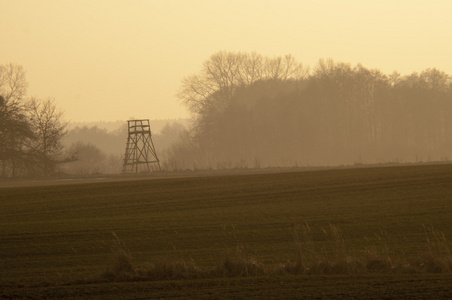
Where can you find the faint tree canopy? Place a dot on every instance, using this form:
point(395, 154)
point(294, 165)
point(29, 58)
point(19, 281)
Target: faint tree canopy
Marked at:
point(225, 72)
point(254, 111)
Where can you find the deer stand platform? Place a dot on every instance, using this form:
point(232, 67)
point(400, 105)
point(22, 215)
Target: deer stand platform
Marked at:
point(140, 150)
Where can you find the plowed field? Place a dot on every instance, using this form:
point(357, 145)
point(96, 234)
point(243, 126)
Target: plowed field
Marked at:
point(57, 239)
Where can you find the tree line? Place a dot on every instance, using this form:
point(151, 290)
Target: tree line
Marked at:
point(31, 129)
point(248, 110)
point(254, 111)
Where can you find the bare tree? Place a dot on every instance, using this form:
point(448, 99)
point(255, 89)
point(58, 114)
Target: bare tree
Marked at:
point(13, 85)
point(224, 72)
point(49, 129)
point(283, 68)
point(14, 126)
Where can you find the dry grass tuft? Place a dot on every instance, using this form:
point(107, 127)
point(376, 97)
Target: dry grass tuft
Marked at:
point(438, 258)
point(378, 260)
point(237, 264)
point(312, 259)
point(327, 255)
point(428, 263)
point(121, 268)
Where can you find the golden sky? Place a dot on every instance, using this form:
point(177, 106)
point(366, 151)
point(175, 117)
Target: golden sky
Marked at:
point(108, 60)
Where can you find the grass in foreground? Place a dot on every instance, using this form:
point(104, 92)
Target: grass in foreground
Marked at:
point(309, 260)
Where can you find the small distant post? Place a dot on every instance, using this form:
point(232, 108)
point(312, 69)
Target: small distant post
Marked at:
point(140, 150)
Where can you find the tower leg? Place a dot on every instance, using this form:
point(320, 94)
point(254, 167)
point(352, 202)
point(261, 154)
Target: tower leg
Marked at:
point(140, 149)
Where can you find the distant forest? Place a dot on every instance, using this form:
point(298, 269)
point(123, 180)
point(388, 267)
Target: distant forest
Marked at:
point(252, 111)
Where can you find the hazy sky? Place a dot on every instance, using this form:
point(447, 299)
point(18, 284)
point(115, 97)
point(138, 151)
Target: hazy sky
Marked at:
point(112, 60)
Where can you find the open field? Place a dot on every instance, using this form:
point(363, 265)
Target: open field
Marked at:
point(56, 240)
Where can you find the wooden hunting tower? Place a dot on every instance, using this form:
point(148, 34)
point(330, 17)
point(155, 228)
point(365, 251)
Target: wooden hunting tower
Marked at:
point(140, 149)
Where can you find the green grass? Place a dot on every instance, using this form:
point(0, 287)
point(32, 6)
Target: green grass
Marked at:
point(59, 236)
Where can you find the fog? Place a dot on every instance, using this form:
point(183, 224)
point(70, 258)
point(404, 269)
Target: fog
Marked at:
point(336, 114)
point(248, 105)
point(99, 147)
point(248, 111)
point(251, 111)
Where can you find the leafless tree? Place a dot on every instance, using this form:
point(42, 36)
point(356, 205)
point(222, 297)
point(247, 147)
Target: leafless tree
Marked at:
point(224, 72)
point(13, 85)
point(49, 129)
point(14, 125)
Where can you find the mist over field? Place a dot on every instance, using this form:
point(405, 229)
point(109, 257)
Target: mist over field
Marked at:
point(280, 115)
point(277, 149)
point(240, 84)
point(252, 111)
